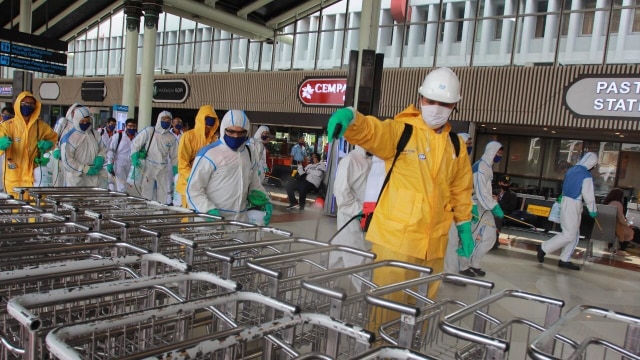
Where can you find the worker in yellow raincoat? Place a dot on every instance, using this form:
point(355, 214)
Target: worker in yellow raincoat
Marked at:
point(203, 133)
point(429, 187)
point(24, 140)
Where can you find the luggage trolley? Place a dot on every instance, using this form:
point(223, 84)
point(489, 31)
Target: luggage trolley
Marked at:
point(381, 352)
point(502, 330)
point(596, 327)
point(128, 225)
point(19, 211)
point(63, 275)
point(54, 203)
point(39, 193)
point(153, 210)
point(38, 313)
point(43, 227)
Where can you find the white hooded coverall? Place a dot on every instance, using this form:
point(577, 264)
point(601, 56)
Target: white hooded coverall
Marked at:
point(484, 231)
point(577, 186)
point(79, 149)
point(120, 156)
point(349, 189)
point(62, 127)
point(257, 147)
point(162, 154)
point(221, 178)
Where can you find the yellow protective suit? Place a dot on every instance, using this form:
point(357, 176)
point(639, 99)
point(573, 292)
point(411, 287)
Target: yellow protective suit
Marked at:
point(23, 149)
point(190, 142)
point(429, 187)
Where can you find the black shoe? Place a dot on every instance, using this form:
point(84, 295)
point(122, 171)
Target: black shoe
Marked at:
point(301, 208)
point(467, 272)
point(496, 245)
point(478, 271)
point(293, 206)
point(568, 265)
point(541, 253)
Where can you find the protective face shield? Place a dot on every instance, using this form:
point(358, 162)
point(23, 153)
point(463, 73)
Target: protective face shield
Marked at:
point(441, 85)
point(85, 126)
point(27, 109)
point(209, 121)
point(234, 142)
point(435, 116)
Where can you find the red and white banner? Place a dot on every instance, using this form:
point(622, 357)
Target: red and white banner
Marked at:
point(322, 91)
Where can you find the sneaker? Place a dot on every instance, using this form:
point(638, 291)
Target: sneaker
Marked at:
point(467, 272)
point(301, 208)
point(541, 253)
point(568, 265)
point(621, 253)
point(478, 271)
point(293, 206)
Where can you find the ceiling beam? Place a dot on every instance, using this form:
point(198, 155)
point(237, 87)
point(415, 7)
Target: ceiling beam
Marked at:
point(61, 16)
point(16, 20)
point(252, 7)
point(116, 5)
point(209, 22)
point(299, 12)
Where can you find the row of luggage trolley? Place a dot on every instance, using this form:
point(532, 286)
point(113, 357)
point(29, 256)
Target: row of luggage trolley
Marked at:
point(92, 274)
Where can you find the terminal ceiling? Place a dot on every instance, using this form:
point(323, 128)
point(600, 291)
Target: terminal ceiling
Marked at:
point(254, 19)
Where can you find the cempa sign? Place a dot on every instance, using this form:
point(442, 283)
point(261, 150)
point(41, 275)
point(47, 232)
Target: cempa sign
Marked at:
point(322, 91)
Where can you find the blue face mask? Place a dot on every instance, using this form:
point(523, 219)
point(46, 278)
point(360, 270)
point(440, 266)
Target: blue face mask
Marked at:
point(234, 142)
point(497, 159)
point(165, 124)
point(469, 149)
point(265, 138)
point(111, 128)
point(209, 121)
point(6, 117)
point(85, 126)
point(132, 132)
point(27, 110)
point(178, 127)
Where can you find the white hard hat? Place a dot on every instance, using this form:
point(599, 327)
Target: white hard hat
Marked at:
point(441, 85)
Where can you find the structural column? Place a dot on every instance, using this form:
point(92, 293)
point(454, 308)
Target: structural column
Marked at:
point(152, 10)
point(369, 23)
point(551, 29)
point(599, 30)
point(626, 18)
point(133, 12)
point(575, 26)
point(25, 16)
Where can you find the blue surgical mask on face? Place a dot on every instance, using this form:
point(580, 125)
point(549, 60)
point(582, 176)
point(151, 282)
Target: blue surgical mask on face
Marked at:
point(234, 142)
point(178, 127)
point(6, 117)
point(111, 127)
point(209, 121)
point(497, 159)
point(469, 149)
point(265, 138)
point(165, 124)
point(132, 132)
point(27, 110)
point(85, 126)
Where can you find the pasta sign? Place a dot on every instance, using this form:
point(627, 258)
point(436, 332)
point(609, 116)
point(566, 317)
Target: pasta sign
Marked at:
point(324, 91)
point(604, 97)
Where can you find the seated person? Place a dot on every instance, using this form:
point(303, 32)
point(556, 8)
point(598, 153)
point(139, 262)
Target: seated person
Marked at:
point(624, 231)
point(310, 180)
point(508, 201)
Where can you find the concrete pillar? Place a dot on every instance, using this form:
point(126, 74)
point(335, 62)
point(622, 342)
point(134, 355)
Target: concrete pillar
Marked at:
point(528, 28)
point(626, 17)
point(369, 21)
point(575, 26)
point(25, 16)
point(432, 31)
point(132, 12)
point(488, 28)
point(506, 39)
point(450, 31)
point(467, 31)
point(415, 37)
point(152, 10)
point(551, 29)
point(599, 28)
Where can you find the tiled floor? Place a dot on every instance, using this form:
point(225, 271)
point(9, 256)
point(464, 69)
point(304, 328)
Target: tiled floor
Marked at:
point(605, 281)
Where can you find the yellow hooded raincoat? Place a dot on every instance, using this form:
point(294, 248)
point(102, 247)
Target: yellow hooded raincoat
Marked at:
point(190, 142)
point(23, 149)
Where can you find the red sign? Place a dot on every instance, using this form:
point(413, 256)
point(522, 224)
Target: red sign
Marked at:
point(322, 91)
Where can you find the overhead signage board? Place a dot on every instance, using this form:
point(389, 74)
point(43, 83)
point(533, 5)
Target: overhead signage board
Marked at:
point(32, 53)
point(322, 91)
point(33, 40)
point(170, 91)
point(33, 65)
point(93, 91)
point(6, 90)
point(606, 96)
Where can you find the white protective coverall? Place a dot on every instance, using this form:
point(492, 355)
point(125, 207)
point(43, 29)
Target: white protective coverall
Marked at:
point(79, 149)
point(349, 188)
point(221, 178)
point(119, 154)
point(577, 186)
point(257, 148)
point(451, 263)
point(62, 127)
point(162, 155)
point(171, 178)
point(484, 231)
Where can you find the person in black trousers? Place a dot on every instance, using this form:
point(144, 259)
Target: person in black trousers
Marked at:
point(508, 201)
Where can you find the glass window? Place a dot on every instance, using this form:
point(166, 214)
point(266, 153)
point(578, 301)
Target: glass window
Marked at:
point(629, 159)
point(525, 156)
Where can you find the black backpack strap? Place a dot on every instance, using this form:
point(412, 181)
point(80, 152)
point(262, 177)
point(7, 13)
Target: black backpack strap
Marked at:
point(402, 143)
point(456, 142)
point(249, 151)
point(119, 139)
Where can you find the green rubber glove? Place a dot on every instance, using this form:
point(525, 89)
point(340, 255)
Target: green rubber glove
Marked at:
point(475, 216)
point(268, 209)
point(265, 170)
point(343, 117)
point(593, 214)
point(110, 169)
point(142, 154)
point(175, 169)
point(360, 216)
point(135, 159)
point(98, 161)
point(466, 240)
point(93, 171)
point(258, 198)
point(5, 142)
point(56, 154)
point(559, 199)
point(44, 145)
point(214, 212)
point(497, 211)
point(41, 160)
